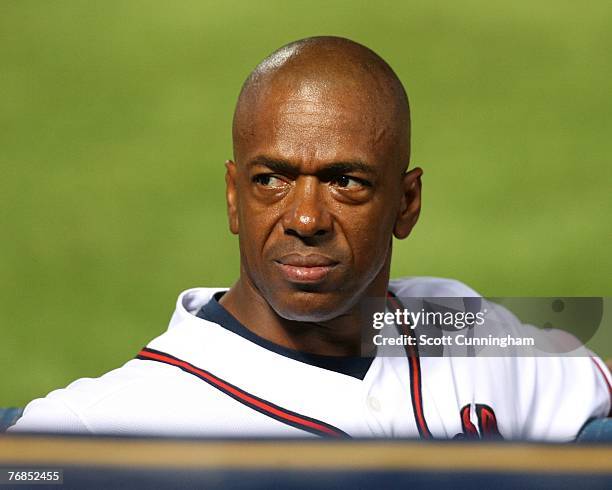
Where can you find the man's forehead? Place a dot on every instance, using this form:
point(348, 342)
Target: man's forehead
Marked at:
point(316, 102)
point(312, 122)
point(323, 98)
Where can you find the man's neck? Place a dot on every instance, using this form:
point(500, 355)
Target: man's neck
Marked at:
point(340, 336)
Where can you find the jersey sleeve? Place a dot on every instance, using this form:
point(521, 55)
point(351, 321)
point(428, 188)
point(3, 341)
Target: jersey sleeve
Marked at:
point(49, 415)
point(566, 392)
point(537, 395)
point(75, 408)
point(113, 403)
point(554, 396)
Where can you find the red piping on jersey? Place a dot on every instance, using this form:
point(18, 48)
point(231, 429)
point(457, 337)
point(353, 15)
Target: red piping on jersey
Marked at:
point(415, 375)
point(267, 408)
point(607, 382)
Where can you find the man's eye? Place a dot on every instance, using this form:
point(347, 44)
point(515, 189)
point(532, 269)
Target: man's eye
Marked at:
point(346, 182)
point(268, 180)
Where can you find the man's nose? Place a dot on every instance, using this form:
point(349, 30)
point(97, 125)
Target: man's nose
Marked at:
point(306, 215)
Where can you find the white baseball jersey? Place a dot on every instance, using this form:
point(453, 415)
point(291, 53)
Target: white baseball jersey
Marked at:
point(208, 375)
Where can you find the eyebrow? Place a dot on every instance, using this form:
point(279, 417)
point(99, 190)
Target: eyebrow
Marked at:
point(334, 168)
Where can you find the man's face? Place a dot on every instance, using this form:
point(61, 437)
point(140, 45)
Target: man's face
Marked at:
point(314, 196)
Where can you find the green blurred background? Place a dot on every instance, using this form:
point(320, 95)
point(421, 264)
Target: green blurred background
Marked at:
point(115, 123)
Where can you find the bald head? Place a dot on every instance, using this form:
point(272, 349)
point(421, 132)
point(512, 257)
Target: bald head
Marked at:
point(347, 83)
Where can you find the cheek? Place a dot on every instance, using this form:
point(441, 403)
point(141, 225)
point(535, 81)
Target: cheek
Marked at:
point(370, 248)
point(256, 223)
point(369, 236)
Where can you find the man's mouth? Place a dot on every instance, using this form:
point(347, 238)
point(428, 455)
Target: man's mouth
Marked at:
point(305, 268)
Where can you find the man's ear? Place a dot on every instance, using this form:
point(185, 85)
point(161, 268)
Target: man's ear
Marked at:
point(410, 206)
point(231, 196)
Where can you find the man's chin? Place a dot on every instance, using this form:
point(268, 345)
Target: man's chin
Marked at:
point(309, 305)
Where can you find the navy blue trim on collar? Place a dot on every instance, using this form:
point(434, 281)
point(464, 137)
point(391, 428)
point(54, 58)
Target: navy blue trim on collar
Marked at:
point(213, 311)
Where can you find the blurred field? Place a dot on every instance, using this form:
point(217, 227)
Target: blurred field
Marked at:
point(115, 123)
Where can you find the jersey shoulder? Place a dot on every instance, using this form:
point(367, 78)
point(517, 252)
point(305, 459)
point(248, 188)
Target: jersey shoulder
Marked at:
point(68, 410)
point(86, 404)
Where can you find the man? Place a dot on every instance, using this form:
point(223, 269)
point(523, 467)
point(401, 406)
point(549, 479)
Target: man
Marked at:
point(318, 187)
